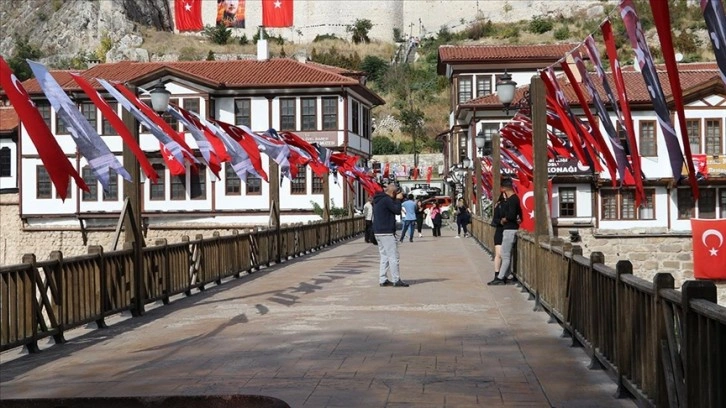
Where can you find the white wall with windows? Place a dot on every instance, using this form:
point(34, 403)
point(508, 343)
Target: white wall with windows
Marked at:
point(617, 211)
point(8, 164)
point(711, 204)
point(572, 203)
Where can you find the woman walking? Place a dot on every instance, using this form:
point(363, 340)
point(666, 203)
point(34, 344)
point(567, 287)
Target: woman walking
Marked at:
point(462, 218)
point(436, 219)
point(498, 232)
point(420, 215)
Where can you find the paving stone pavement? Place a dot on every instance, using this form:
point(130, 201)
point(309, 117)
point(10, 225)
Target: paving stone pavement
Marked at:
point(318, 331)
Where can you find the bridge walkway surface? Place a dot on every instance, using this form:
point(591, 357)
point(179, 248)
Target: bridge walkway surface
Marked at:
point(318, 331)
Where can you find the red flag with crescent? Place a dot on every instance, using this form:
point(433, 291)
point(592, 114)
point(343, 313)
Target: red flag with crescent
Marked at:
point(429, 173)
point(709, 248)
point(525, 191)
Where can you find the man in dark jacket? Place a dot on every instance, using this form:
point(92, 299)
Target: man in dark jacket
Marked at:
point(386, 206)
point(511, 216)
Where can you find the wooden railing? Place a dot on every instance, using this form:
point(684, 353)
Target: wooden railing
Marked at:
point(665, 347)
point(39, 299)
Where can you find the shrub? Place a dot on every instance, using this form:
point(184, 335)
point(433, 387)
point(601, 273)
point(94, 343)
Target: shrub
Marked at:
point(480, 29)
point(244, 40)
point(396, 35)
point(383, 145)
point(23, 50)
point(562, 33)
point(323, 37)
point(105, 45)
point(376, 67)
point(218, 34)
point(686, 43)
point(540, 25)
point(509, 31)
point(210, 56)
point(359, 31)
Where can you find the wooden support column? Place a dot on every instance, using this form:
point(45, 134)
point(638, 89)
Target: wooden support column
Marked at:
point(539, 142)
point(496, 165)
point(274, 178)
point(478, 186)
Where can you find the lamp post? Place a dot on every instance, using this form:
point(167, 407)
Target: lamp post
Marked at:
point(132, 231)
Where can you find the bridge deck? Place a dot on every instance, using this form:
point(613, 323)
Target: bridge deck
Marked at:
point(318, 331)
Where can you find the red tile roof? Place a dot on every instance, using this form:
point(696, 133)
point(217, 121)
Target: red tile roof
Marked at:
point(9, 120)
point(634, 83)
point(484, 53)
point(236, 74)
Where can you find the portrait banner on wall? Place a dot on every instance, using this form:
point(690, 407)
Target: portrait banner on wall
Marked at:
point(231, 13)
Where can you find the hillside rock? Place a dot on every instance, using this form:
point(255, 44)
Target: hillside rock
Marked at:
point(65, 28)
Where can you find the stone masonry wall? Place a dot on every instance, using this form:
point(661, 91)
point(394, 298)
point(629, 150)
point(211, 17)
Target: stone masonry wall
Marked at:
point(648, 254)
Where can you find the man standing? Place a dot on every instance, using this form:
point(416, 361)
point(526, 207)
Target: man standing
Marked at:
point(368, 215)
point(386, 206)
point(409, 218)
point(511, 215)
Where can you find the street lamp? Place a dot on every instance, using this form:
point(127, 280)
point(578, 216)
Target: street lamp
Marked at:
point(159, 97)
point(483, 142)
point(505, 90)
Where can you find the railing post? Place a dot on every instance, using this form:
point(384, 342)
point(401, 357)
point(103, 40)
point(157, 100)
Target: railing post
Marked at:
point(660, 281)
point(166, 272)
point(594, 302)
point(98, 250)
point(191, 274)
point(32, 346)
point(58, 257)
point(692, 366)
point(623, 349)
point(137, 307)
point(199, 263)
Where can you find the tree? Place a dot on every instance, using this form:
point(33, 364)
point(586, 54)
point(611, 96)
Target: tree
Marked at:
point(218, 34)
point(383, 145)
point(376, 67)
point(360, 30)
point(23, 50)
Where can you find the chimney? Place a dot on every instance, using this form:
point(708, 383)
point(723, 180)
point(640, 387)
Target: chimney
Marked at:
point(263, 52)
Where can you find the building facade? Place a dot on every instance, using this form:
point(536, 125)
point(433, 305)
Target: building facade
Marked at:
point(322, 104)
point(584, 204)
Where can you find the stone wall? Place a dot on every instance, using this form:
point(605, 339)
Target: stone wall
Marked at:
point(16, 241)
point(650, 253)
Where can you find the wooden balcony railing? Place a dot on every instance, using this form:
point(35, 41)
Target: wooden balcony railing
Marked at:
point(665, 347)
point(39, 299)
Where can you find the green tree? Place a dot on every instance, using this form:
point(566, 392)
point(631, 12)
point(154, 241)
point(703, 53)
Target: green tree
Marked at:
point(360, 30)
point(376, 67)
point(23, 50)
point(218, 34)
point(539, 25)
point(383, 145)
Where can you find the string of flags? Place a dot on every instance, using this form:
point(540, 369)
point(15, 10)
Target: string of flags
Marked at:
point(218, 142)
point(584, 141)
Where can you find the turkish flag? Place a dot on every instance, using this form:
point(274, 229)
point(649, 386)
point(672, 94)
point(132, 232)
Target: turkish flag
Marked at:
point(175, 168)
point(429, 172)
point(277, 13)
point(188, 15)
point(525, 191)
point(709, 251)
point(59, 168)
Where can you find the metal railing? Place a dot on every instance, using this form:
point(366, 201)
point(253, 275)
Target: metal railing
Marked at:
point(665, 347)
point(39, 299)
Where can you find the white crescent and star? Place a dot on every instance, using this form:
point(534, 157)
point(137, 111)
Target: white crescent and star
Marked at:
point(526, 196)
point(716, 233)
point(187, 6)
point(278, 4)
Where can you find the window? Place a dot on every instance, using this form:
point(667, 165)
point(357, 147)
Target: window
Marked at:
point(317, 187)
point(464, 89)
point(483, 86)
point(43, 186)
point(620, 205)
point(106, 128)
point(355, 120)
point(60, 126)
point(490, 129)
point(693, 127)
point(647, 139)
point(88, 109)
point(177, 187)
point(685, 204)
point(330, 113)
point(609, 200)
point(112, 194)
point(232, 183)
point(90, 178)
point(168, 118)
point(243, 112)
point(366, 123)
point(623, 136)
point(568, 200)
point(254, 185)
point(707, 203)
point(713, 136)
point(191, 105)
point(309, 114)
point(722, 203)
point(287, 114)
point(44, 109)
point(5, 162)
point(299, 183)
point(158, 191)
point(462, 147)
point(198, 183)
